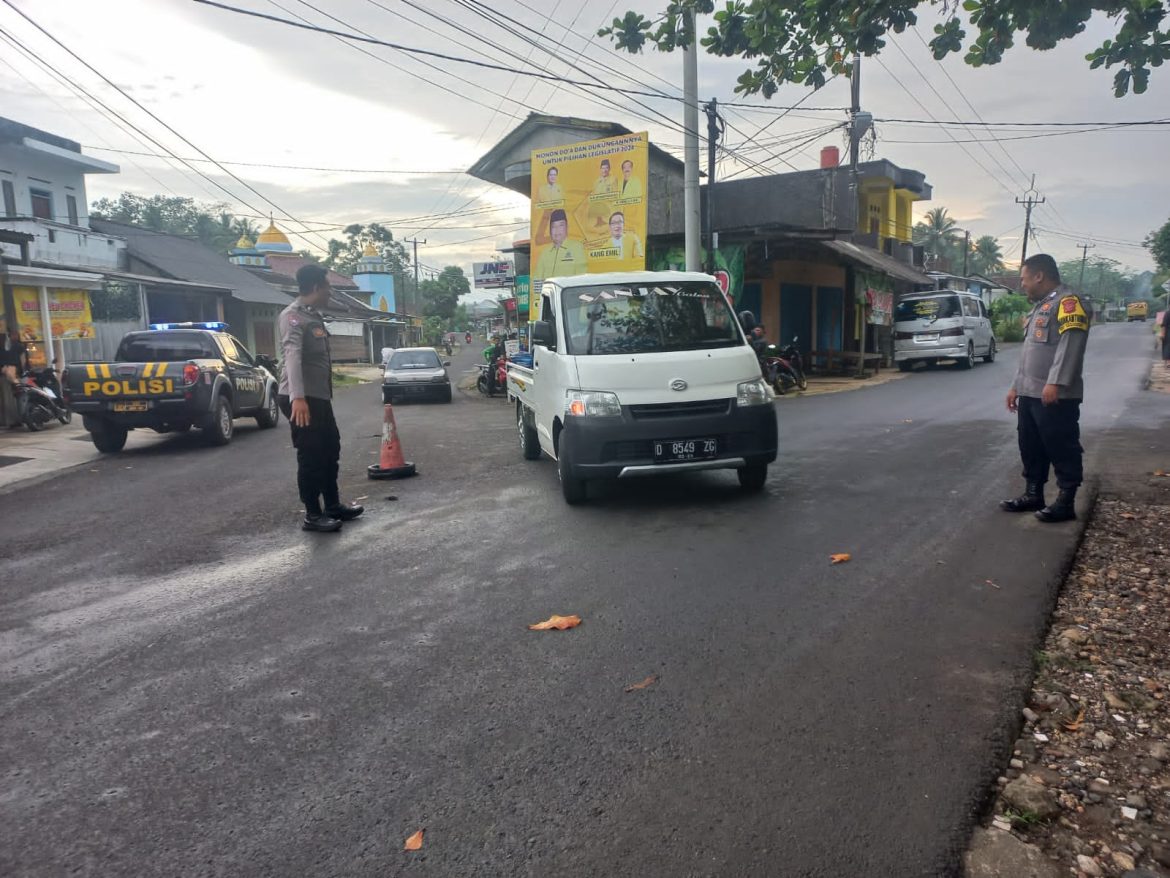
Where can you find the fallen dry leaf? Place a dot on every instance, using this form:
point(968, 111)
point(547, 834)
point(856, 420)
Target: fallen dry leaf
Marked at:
point(840, 558)
point(1162, 473)
point(560, 623)
point(1075, 724)
point(1128, 515)
point(362, 497)
point(649, 681)
point(414, 843)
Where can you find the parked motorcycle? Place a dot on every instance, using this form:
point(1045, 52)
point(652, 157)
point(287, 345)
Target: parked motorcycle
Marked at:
point(482, 384)
point(38, 400)
point(783, 368)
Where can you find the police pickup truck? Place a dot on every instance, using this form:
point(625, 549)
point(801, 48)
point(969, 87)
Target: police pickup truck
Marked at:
point(171, 378)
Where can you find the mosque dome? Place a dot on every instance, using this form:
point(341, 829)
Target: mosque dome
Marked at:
point(370, 250)
point(245, 243)
point(273, 238)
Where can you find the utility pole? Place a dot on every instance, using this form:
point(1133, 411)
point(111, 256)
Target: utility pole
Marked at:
point(415, 242)
point(1029, 201)
point(855, 139)
point(966, 250)
point(691, 222)
point(1085, 248)
point(714, 131)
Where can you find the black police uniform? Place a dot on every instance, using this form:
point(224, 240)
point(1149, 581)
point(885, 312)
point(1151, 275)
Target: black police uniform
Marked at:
point(307, 373)
point(1057, 332)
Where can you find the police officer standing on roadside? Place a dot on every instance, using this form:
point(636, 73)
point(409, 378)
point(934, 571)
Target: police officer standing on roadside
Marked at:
point(1046, 395)
point(306, 393)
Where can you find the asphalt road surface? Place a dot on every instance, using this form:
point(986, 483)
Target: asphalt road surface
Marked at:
point(190, 685)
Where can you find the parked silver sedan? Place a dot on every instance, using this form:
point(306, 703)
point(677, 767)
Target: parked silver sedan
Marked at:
point(416, 373)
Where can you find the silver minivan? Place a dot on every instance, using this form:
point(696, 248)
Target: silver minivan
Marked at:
point(942, 325)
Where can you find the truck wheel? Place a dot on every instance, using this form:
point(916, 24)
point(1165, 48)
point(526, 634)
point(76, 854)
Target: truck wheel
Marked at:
point(109, 440)
point(572, 489)
point(529, 441)
point(218, 427)
point(905, 365)
point(269, 417)
point(752, 477)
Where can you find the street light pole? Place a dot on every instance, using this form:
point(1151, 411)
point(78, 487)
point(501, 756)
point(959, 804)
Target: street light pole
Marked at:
point(691, 221)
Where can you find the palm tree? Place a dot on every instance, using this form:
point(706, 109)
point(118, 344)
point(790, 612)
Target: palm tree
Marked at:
point(244, 227)
point(937, 234)
point(986, 256)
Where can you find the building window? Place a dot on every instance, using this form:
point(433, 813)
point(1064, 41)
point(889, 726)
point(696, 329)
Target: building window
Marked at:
point(71, 204)
point(9, 198)
point(42, 203)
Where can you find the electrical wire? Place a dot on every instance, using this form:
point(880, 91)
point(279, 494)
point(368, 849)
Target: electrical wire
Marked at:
point(159, 121)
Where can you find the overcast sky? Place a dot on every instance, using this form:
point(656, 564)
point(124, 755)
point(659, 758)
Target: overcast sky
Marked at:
point(389, 129)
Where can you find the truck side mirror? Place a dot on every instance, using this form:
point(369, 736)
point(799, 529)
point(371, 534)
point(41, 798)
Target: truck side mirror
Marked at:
point(544, 334)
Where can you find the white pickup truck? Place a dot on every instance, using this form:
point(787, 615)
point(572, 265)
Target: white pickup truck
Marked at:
point(638, 374)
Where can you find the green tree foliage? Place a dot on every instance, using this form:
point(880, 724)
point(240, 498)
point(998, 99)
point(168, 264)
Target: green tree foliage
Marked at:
point(344, 255)
point(1106, 280)
point(986, 256)
point(1158, 243)
point(936, 233)
point(806, 42)
point(440, 297)
point(1007, 315)
point(433, 330)
point(461, 319)
point(210, 224)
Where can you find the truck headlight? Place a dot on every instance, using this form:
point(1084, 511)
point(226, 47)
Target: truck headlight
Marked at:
point(389, 379)
point(592, 404)
point(754, 392)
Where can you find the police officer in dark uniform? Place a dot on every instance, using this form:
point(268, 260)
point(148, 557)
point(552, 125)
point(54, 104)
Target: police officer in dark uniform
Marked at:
point(1046, 395)
point(306, 393)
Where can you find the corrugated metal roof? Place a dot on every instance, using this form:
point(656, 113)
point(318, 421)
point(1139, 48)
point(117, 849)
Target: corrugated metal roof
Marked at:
point(878, 261)
point(184, 259)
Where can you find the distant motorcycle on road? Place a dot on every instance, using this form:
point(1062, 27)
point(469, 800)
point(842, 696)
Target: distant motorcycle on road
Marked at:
point(484, 386)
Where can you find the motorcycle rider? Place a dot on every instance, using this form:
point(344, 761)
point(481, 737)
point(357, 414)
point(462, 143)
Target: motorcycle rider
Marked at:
point(495, 354)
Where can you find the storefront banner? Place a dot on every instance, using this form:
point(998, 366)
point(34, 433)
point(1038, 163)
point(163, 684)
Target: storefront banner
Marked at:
point(729, 259)
point(525, 293)
point(493, 275)
point(69, 314)
point(880, 307)
point(589, 207)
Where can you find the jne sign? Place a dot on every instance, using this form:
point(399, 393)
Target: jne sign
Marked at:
point(493, 275)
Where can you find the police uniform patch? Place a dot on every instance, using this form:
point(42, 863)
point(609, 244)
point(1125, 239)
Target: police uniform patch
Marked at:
point(1046, 307)
point(1072, 315)
point(1040, 334)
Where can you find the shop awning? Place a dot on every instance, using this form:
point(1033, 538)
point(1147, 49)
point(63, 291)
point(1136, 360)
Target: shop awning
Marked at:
point(878, 261)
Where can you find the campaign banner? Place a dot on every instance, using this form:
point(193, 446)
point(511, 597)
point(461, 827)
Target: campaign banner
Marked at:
point(589, 207)
point(69, 314)
point(729, 267)
point(493, 275)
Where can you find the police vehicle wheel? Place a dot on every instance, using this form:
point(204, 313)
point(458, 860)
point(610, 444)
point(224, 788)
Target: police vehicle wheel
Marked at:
point(529, 441)
point(990, 358)
point(218, 428)
point(270, 416)
point(752, 478)
point(109, 441)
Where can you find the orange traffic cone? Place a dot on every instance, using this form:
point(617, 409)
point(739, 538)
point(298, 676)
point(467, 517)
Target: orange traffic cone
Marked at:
point(391, 464)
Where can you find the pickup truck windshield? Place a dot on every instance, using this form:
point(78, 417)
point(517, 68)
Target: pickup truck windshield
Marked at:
point(690, 315)
point(152, 347)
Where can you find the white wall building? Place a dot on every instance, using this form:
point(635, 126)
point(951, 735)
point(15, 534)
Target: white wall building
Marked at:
point(49, 256)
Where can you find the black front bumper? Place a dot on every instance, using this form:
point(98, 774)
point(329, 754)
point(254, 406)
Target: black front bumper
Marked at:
point(611, 448)
point(418, 390)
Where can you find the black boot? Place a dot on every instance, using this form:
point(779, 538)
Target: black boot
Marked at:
point(1032, 500)
point(344, 513)
point(1062, 509)
point(320, 523)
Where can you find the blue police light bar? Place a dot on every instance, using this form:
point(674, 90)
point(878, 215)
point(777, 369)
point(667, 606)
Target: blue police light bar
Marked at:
point(213, 325)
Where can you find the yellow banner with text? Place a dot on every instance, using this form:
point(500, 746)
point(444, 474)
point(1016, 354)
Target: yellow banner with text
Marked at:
point(589, 207)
